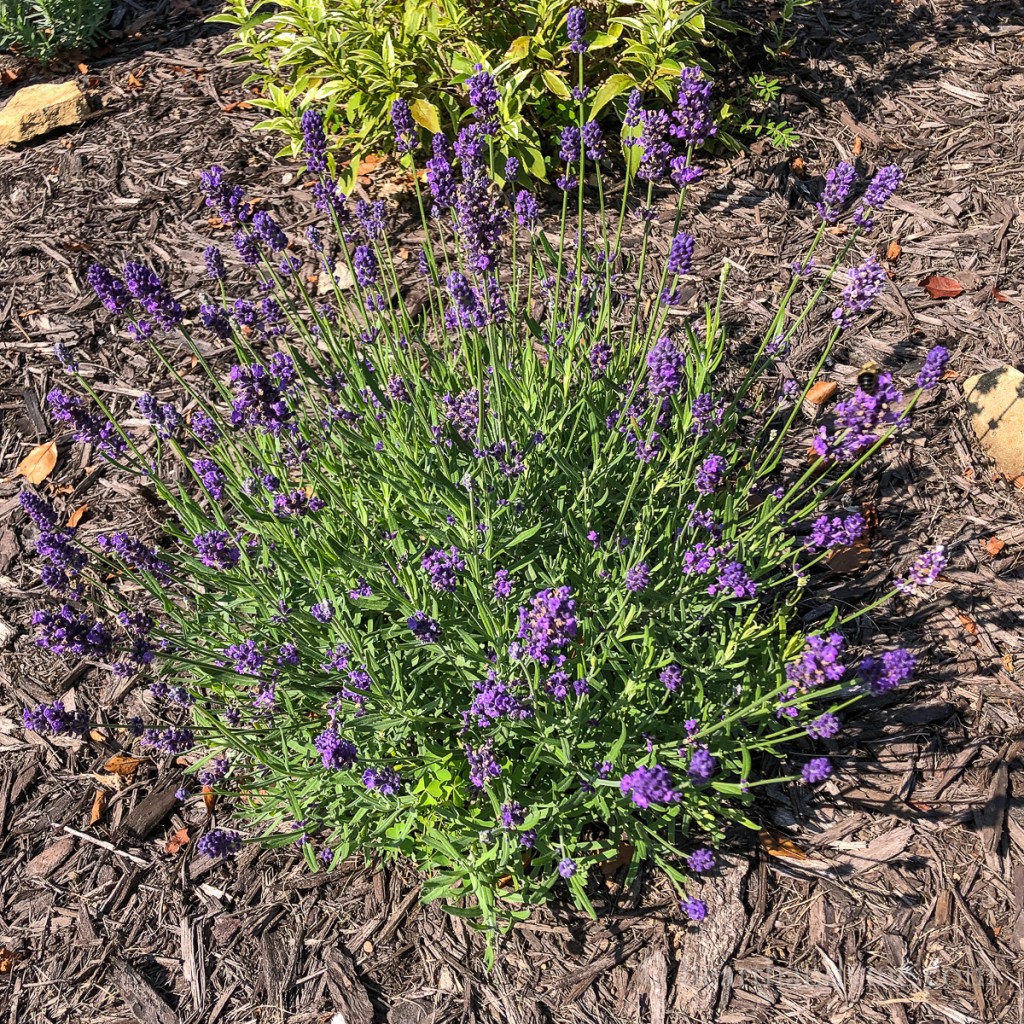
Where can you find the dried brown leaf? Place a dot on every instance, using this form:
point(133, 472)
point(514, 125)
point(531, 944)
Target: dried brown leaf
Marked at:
point(780, 846)
point(970, 626)
point(850, 559)
point(892, 254)
point(76, 517)
point(99, 806)
point(993, 545)
point(9, 957)
point(209, 799)
point(122, 764)
point(177, 841)
point(39, 463)
point(939, 287)
point(821, 391)
point(858, 146)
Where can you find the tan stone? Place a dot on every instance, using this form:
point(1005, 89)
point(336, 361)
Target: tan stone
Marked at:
point(995, 402)
point(35, 110)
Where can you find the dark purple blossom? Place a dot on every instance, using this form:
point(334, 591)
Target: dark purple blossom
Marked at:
point(671, 677)
point(702, 765)
point(711, 474)
point(647, 786)
point(483, 97)
point(322, 611)
point(363, 589)
point(838, 182)
point(211, 476)
point(87, 426)
point(818, 769)
point(66, 631)
point(496, 699)
point(296, 503)
point(38, 509)
point(170, 740)
point(638, 578)
point(683, 173)
point(109, 287)
point(260, 394)
point(924, 572)
point(858, 422)
point(153, 295)
point(336, 753)
point(824, 727)
point(883, 186)
point(443, 568)
point(204, 427)
point(733, 578)
point(424, 628)
point(217, 549)
point(227, 200)
point(567, 867)
point(893, 669)
point(440, 177)
point(576, 27)
point(314, 141)
point(657, 149)
point(135, 554)
point(680, 256)
point(593, 141)
point(512, 814)
point(701, 860)
point(371, 217)
point(865, 285)
point(935, 364)
point(569, 146)
point(694, 121)
point(819, 664)
point(55, 718)
point(247, 247)
point(839, 531)
point(268, 231)
point(696, 910)
point(502, 586)
point(547, 626)
point(219, 843)
point(364, 262)
point(634, 110)
point(406, 135)
point(385, 781)
point(666, 368)
point(527, 210)
point(483, 765)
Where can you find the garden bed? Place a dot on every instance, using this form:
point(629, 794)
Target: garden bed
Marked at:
point(895, 892)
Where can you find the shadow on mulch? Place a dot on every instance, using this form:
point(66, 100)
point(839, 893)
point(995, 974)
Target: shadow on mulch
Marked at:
point(894, 893)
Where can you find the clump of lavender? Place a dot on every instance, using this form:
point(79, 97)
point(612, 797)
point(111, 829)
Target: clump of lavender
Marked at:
point(455, 577)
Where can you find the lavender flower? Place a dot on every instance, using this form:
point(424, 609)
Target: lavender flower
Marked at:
point(569, 148)
point(547, 626)
point(385, 781)
point(696, 910)
point(268, 231)
point(818, 769)
point(711, 474)
point(647, 786)
point(109, 287)
point(567, 867)
point(336, 753)
point(496, 699)
point(657, 149)
point(680, 256)
point(819, 664)
point(733, 578)
point(512, 814)
point(511, 170)
point(666, 368)
point(424, 628)
point(482, 764)
point(634, 111)
point(152, 294)
point(883, 186)
point(38, 509)
point(883, 674)
point(215, 269)
point(859, 421)
point(67, 631)
point(440, 177)
point(502, 587)
point(701, 860)
point(219, 843)
point(824, 727)
point(683, 173)
point(694, 121)
point(593, 141)
point(671, 677)
point(934, 367)
point(217, 550)
point(866, 284)
point(170, 740)
point(576, 27)
point(527, 210)
point(443, 568)
point(56, 719)
point(227, 200)
point(836, 532)
point(322, 611)
point(314, 141)
point(638, 578)
point(364, 263)
point(838, 182)
point(406, 135)
point(702, 765)
point(924, 572)
point(483, 97)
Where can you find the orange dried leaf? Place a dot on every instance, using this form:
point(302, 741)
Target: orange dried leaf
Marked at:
point(83, 69)
point(123, 765)
point(970, 626)
point(799, 167)
point(780, 846)
point(939, 287)
point(821, 391)
point(209, 799)
point(39, 463)
point(99, 806)
point(998, 295)
point(858, 146)
point(893, 252)
point(76, 517)
point(993, 545)
point(177, 841)
point(9, 957)
point(851, 558)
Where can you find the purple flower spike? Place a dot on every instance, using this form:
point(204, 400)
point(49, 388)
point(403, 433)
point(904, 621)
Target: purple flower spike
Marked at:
point(694, 121)
point(335, 753)
point(647, 786)
point(666, 368)
point(696, 910)
point(424, 628)
point(406, 135)
point(576, 27)
point(638, 578)
point(483, 97)
point(680, 256)
point(109, 287)
point(818, 769)
point(702, 765)
point(711, 474)
point(385, 781)
point(219, 843)
point(924, 572)
point(893, 669)
point(567, 867)
point(866, 284)
point(935, 364)
point(883, 186)
point(838, 183)
point(314, 141)
point(701, 860)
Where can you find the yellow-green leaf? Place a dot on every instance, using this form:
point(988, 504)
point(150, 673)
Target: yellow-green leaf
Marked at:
point(424, 113)
point(613, 86)
point(519, 49)
point(555, 83)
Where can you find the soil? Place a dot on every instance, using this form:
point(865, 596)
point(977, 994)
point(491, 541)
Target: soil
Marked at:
point(895, 892)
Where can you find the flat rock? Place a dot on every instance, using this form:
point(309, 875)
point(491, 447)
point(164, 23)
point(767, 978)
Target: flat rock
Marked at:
point(995, 403)
point(37, 109)
point(341, 274)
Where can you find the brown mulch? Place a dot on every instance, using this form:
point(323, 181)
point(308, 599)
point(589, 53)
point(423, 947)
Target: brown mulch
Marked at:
point(893, 893)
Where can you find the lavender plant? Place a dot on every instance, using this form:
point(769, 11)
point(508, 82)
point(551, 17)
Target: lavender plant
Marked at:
point(496, 582)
